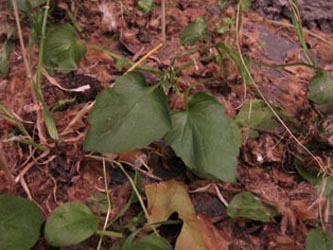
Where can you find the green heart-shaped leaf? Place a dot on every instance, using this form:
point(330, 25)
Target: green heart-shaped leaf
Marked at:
point(205, 138)
point(129, 115)
point(62, 51)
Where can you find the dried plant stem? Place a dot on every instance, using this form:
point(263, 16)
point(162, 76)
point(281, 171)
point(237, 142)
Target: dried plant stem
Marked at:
point(138, 63)
point(107, 217)
point(87, 107)
point(119, 57)
point(24, 53)
point(163, 23)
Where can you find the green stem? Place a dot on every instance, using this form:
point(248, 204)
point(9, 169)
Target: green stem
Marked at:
point(111, 234)
point(299, 30)
point(137, 194)
point(48, 119)
point(34, 144)
point(9, 117)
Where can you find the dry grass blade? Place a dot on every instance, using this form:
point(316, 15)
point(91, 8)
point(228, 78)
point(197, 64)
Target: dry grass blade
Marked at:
point(78, 116)
point(138, 63)
point(163, 22)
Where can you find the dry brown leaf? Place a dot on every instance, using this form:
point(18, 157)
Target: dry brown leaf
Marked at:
point(167, 198)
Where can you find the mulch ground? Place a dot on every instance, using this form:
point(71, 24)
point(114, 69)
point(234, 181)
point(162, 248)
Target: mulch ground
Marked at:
point(266, 166)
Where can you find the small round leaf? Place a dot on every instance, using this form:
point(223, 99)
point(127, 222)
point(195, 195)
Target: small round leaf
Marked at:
point(321, 88)
point(70, 224)
point(246, 205)
point(20, 222)
point(317, 239)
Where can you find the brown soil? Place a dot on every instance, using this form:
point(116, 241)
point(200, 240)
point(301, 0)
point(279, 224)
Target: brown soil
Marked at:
point(266, 164)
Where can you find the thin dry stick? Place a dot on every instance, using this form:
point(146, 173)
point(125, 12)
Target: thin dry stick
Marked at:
point(217, 191)
point(163, 22)
point(30, 165)
point(320, 198)
point(262, 96)
point(26, 188)
point(24, 53)
point(78, 116)
point(220, 196)
point(107, 217)
point(138, 63)
point(148, 174)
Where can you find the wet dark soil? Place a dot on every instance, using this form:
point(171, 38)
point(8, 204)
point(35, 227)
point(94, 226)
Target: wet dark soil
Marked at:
point(314, 14)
